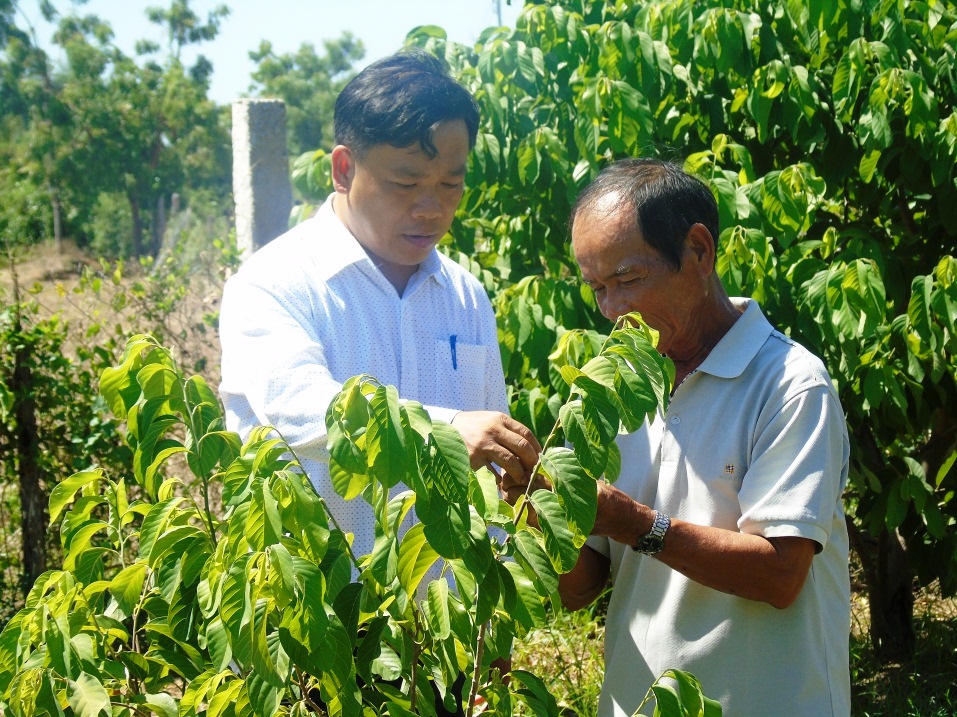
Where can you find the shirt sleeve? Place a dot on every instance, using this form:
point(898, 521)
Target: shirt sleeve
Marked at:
point(275, 371)
point(797, 475)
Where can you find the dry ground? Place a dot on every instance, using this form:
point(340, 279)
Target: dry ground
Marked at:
point(56, 280)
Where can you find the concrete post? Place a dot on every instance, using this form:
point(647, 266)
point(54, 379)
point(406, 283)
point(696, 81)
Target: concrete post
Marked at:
point(261, 186)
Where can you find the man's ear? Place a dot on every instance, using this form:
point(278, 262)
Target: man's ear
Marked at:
point(700, 243)
point(343, 169)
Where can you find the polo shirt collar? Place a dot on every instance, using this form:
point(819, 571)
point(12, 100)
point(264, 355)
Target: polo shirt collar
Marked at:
point(341, 249)
point(731, 356)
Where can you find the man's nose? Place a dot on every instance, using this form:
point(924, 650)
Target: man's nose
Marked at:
point(427, 206)
point(613, 305)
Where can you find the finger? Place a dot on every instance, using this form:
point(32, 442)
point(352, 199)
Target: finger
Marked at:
point(518, 445)
point(523, 430)
point(507, 461)
point(508, 482)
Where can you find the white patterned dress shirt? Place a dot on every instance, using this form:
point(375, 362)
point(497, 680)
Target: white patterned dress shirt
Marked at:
point(310, 310)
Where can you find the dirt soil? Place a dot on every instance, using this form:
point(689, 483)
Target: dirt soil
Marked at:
point(55, 281)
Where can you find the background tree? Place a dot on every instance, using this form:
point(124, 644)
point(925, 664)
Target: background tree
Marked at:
point(106, 125)
point(308, 83)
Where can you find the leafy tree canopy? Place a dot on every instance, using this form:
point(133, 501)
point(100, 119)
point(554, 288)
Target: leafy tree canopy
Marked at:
point(105, 123)
point(308, 82)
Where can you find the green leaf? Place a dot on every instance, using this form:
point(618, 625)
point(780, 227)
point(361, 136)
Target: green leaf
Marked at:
point(438, 609)
point(416, 556)
point(945, 468)
point(303, 626)
point(155, 522)
point(263, 696)
point(484, 493)
point(64, 491)
point(535, 694)
point(575, 488)
point(62, 655)
point(383, 564)
point(530, 554)
point(449, 467)
point(281, 576)
point(127, 586)
point(87, 697)
point(370, 647)
point(162, 704)
point(217, 640)
point(528, 610)
point(385, 439)
point(668, 702)
point(529, 161)
point(489, 592)
point(559, 539)
point(339, 688)
point(599, 410)
point(236, 609)
point(263, 523)
point(919, 310)
point(591, 453)
point(448, 531)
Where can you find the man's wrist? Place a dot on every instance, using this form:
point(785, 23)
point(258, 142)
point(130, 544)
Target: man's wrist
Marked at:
point(652, 542)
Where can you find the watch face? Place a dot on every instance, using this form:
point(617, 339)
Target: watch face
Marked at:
point(654, 541)
point(649, 545)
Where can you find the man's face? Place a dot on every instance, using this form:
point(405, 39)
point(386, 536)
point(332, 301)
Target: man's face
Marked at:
point(400, 202)
point(627, 275)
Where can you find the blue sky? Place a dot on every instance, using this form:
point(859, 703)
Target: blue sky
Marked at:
point(380, 24)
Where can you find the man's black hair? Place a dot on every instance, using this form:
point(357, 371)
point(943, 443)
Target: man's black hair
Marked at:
point(666, 201)
point(400, 100)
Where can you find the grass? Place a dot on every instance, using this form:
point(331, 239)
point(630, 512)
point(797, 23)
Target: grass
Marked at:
point(568, 655)
point(923, 686)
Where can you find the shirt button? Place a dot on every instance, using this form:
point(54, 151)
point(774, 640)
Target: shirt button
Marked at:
point(675, 420)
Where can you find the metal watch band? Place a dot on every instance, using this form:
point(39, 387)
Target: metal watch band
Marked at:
point(652, 542)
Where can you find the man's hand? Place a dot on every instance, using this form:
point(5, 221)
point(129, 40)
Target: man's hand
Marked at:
point(492, 437)
point(512, 488)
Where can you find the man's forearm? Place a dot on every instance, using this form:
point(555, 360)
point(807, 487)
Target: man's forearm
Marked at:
point(770, 570)
point(585, 581)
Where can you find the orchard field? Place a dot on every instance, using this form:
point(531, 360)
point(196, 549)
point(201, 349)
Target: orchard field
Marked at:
point(188, 573)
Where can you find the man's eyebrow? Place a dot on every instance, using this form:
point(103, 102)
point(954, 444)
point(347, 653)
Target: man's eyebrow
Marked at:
point(620, 271)
point(624, 269)
point(410, 172)
point(414, 173)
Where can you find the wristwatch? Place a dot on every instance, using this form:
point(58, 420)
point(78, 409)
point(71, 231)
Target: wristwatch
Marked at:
point(652, 542)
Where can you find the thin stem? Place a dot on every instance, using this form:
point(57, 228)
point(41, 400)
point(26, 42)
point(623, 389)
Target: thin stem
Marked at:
point(204, 479)
point(477, 667)
point(413, 693)
point(304, 691)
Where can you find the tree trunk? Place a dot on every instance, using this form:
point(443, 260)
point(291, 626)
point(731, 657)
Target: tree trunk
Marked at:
point(890, 590)
point(137, 249)
point(57, 220)
point(33, 515)
point(159, 225)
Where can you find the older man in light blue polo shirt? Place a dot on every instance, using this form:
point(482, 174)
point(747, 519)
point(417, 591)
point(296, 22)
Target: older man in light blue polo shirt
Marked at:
point(725, 535)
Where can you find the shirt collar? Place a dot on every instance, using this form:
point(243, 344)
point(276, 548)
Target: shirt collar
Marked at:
point(731, 356)
point(340, 249)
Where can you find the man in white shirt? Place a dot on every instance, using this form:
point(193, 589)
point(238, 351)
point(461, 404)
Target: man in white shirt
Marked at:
point(725, 535)
point(360, 287)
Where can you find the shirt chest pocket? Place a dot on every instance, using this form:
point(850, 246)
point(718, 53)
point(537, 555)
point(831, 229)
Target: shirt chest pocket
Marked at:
point(460, 378)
